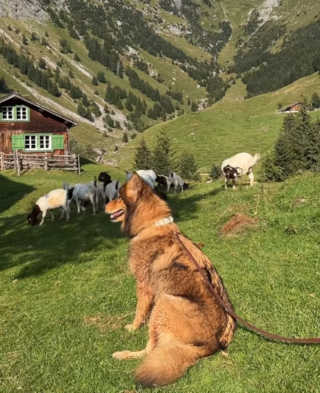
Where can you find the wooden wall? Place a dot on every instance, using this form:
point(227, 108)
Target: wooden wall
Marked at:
point(40, 122)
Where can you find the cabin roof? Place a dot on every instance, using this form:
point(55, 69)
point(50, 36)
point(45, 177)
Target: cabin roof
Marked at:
point(291, 105)
point(70, 123)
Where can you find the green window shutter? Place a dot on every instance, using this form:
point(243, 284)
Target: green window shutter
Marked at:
point(57, 142)
point(17, 142)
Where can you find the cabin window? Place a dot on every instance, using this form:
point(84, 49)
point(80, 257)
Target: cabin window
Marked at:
point(7, 113)
point(15, 113)
point(30, 142)
point(22, 113)
point(45, 142)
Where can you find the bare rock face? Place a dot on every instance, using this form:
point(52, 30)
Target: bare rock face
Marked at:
point(27, 9)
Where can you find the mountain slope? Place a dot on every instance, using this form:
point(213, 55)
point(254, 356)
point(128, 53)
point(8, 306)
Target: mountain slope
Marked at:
point(228, 127)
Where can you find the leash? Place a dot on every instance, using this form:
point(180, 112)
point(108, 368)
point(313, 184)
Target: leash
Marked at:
point(274, 337)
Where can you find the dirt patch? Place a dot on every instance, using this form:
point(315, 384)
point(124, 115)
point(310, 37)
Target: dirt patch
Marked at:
point(105, 323)
point(237, 224)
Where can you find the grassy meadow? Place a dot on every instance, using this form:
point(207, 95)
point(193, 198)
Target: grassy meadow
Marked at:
point(66, 292)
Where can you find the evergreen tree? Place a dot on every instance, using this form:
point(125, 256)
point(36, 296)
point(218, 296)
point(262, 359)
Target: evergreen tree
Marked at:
point(125, 138)
point(71, 75)
point(143, 156)
point(119, 104)
point(299, 136)
point(188, 166)
point(31, 72)
point(85, 102)
point(76, 57)
point(37, 77)
point(194, 107)
point(94, 81)
point(3, 85)
point(128, 105)
point(55, 90)
point(33, 37)
point(23, 64)
point(44, 80)
point(284, 164)
point(161, 154)
point(110, 122)
point(24, 40)
point(81, 110)
point(57, 74)
point(101, 77)
point(42, 64)
point(315, 100)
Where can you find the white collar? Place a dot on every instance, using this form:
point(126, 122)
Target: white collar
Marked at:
point(164, 221)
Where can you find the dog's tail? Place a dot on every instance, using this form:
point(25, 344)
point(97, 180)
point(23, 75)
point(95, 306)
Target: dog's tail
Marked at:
point(166, 363)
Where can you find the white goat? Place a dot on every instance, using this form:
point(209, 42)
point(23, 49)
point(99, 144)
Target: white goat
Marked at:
point(54, 200)
point(239, 165)
point(176, 181)
point(82, 193)
point(111, 191)
point(149, 176)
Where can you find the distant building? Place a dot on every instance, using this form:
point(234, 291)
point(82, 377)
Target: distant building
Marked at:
point(294, 108)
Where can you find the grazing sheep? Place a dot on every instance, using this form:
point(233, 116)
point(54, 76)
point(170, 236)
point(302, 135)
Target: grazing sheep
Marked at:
point(162, 180)
point(149, 176)
point(83, 193)
point(240, 164)
point(176, 181)
point(54, 200)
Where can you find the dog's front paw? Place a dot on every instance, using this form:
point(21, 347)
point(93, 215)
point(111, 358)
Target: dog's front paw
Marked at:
point(130, 328)
point(120, 355)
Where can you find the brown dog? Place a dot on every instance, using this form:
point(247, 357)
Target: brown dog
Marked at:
point(186, 322)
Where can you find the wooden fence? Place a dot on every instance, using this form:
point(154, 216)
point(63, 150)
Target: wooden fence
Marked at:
point(46, 161)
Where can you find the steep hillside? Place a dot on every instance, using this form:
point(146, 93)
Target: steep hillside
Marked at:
point(123, 66)
point(230, 126)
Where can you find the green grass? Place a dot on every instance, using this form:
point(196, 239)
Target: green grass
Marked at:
point(230, 126)
point(66, 291)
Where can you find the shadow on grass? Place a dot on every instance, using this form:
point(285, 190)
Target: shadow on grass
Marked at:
point(41, 248)
point(11, 192)
point(186, 208)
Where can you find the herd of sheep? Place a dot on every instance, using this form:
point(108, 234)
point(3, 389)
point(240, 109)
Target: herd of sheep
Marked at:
point(98, 193)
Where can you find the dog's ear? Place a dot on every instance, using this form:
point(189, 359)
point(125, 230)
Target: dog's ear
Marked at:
point(136, 183)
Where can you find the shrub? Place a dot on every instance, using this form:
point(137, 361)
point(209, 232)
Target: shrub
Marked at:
point(215, 172)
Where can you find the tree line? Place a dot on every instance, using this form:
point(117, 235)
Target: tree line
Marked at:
point(132, 29)
point(164, 158)
point(41, 77)
point(264, 71)
point(296, 148)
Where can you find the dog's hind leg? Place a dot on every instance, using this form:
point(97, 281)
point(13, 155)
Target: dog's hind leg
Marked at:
point(153, 340)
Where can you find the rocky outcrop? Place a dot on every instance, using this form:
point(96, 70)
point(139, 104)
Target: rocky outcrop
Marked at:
point(28, 9)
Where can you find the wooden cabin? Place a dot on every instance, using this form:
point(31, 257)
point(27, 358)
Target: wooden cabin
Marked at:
point(292, 108)
point(27, 127)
